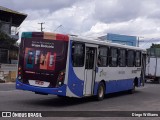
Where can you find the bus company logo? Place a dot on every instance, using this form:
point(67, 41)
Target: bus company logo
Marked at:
point(6, 114)
point(102, 73)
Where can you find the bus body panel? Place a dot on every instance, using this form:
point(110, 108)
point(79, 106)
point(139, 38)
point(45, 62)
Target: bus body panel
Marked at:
point(117, 73)
point(75, 81)
point(115, 86)
point(55, 91)
point(42, 60)
point(115, 80)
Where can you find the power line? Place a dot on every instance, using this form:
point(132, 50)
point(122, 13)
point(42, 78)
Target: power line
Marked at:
point(57, 28)
point(42, 26)
point(149, 41)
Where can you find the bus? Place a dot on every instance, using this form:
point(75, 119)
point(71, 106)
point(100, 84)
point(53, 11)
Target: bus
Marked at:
point(65, 65)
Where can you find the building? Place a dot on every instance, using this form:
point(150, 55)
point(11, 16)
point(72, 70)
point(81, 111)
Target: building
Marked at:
point(9, 19)
point(122, 39)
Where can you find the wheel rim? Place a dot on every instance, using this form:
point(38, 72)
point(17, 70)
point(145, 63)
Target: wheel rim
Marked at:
point(101, 92)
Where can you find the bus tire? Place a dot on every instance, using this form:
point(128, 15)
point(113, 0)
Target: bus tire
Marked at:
point(100, 91)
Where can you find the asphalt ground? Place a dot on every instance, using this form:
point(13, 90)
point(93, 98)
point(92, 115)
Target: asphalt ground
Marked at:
point(145, 98)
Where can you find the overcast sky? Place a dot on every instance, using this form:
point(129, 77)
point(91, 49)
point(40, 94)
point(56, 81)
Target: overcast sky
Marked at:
point(91, 17)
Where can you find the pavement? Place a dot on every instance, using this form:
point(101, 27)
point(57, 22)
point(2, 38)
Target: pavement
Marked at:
point(145, 98)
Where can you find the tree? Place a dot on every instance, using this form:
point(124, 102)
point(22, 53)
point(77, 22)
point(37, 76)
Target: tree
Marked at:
point(6, 41)
point(155, 45)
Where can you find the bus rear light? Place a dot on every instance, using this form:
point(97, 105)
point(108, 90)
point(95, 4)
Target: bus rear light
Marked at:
point(62, 73)
point(59, 83)
point(19, 77)
point(60, 79)
point(20, 73)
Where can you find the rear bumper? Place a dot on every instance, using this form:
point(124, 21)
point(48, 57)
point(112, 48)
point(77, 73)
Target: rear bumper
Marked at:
point(55, 91)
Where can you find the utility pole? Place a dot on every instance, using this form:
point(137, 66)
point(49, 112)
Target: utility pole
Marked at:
point(138, 42)
point(42, 26)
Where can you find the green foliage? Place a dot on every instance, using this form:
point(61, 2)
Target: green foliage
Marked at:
point(155, 45)
point(6, 41)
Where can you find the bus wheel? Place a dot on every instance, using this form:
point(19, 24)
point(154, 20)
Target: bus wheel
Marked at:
point(101, 91)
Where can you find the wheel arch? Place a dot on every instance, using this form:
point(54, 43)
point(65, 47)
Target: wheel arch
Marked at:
point(136, 81)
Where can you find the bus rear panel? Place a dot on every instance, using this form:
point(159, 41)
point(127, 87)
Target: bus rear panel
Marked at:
point(42, 63)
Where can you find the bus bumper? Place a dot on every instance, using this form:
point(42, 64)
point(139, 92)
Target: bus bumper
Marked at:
point(55, 91)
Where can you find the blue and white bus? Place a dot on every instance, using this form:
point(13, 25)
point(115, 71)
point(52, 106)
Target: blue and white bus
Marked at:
point(70, 66)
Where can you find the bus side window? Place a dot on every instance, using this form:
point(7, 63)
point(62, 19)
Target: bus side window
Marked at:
point(122, 58)
point(102, 56)
point(138, 59)
point(78, 50)
point(113, 59)
point(130, 58)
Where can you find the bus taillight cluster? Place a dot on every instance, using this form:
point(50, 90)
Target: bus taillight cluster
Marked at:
point(19, 73)
point(60, 79)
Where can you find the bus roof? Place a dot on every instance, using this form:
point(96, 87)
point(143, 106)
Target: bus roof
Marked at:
point(45, 35)
point(105, 42)
point(56, 36)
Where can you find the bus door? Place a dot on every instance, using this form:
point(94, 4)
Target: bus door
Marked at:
point(90, 66)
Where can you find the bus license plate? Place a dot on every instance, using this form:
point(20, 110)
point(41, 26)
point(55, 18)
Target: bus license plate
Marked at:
point(38, 82)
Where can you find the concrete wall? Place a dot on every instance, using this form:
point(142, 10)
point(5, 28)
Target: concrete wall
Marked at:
point(5, 27)
point(8, 72)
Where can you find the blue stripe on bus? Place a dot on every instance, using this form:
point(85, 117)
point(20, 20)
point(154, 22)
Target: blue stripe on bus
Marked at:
point(119, 85)
point(116, 85)
point(74, 83)
point(55, 91)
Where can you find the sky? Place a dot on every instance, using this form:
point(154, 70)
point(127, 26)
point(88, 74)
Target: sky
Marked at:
point(90, 18)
